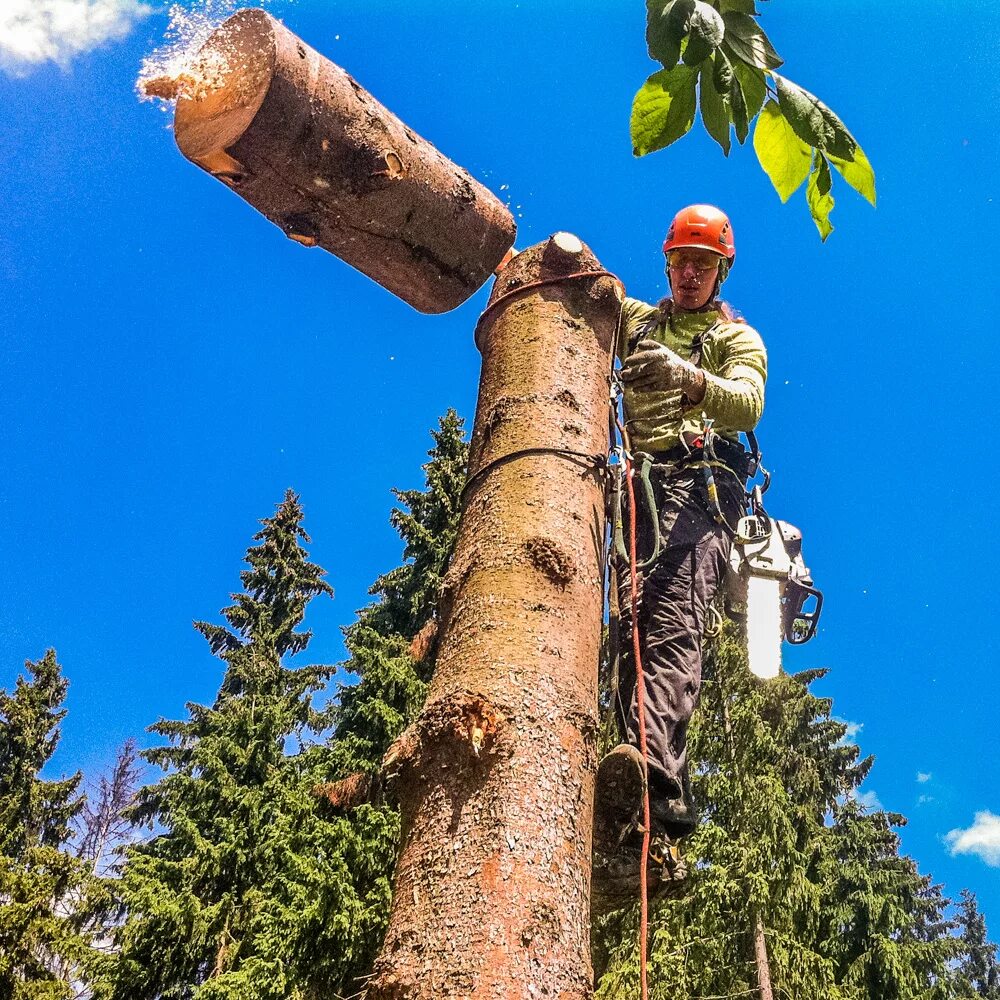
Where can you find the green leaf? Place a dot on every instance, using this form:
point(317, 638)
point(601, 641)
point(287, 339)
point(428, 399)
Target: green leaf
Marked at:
point(821, 176)
point(678, 14)
point(819, 197)
point(715, 107)
point(857, 172)
point(722, 73)
point(748, 42)
point(753, 85)
point(740, 6)
point(747, 92)
point(707, 29)
point(663, 33)
point(783, 155)
point(663, 109)
point(738, 106)
point(813, 121)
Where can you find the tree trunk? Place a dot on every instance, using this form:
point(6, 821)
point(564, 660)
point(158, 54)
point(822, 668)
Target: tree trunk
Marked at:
point(495, 779)
point(299, 139)
point(761, 959)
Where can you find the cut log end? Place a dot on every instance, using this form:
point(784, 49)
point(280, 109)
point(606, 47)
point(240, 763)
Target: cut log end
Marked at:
point(225, 85)
point(566, 243)
point(167, 88)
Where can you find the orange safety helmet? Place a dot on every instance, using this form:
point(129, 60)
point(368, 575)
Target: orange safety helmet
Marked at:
point(705, 227)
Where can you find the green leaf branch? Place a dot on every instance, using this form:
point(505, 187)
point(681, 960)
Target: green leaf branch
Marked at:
point(717, 58)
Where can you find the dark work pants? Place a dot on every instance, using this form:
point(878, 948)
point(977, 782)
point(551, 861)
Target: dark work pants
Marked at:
point(674, 596)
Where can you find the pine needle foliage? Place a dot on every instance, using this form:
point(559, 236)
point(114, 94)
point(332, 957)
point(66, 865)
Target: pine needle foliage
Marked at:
point(784, 844)
point(253, 887)
point(42, 885)
point(883, 924)
point(391, 684)
point(247, 887)
point(978, 971)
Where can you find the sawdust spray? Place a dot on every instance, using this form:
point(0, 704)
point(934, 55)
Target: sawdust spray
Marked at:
point(178, 68)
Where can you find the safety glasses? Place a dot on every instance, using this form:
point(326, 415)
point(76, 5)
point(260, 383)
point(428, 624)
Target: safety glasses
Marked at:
point(702, 262)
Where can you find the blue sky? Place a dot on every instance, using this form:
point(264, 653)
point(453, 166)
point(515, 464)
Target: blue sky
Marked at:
point(171, 363)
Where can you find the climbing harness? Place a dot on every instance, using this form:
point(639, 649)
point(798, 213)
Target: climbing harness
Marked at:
point(762, 546)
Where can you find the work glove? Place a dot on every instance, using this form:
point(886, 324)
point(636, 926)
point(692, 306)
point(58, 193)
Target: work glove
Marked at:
point(655, 367)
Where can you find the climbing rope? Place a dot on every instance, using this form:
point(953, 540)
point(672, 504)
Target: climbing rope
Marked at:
point(528, 286)
point(640, 682)
point(641, 703)
point(596, 462)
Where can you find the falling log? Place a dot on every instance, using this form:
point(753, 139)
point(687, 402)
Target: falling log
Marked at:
point(495, 778)
point(293, 134)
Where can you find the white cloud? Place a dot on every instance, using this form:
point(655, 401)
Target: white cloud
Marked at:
point(981, 839)
point(33, 32)
point(868, 799)
point(853, 728)
point(923, 777)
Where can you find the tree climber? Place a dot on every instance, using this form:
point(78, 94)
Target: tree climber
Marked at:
point(690, 368)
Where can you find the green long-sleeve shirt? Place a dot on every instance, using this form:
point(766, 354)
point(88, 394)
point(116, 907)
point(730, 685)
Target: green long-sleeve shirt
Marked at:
point(735, 365)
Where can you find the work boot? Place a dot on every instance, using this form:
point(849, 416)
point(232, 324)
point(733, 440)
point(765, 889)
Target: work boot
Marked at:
point(673, 817)
point(616, 883)
point(670, 869)
point(671, 807)
point(621, 784)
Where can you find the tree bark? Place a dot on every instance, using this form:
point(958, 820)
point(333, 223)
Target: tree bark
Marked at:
point(761, 959)
point(301, 141)
point(495, 779)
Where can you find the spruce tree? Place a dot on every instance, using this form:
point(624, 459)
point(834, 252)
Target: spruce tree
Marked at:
point(391, 674)
point(978, 972)
point(247, 888)
point(774, 856)
point(391, 681)
point(43, 887)
point(882, 923)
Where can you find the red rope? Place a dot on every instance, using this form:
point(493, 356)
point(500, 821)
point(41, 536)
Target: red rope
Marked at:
point(640, 684)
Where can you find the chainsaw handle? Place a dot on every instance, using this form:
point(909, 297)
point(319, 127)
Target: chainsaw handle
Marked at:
point(802, 593)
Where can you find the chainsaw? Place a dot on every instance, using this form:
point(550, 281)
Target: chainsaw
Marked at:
point(769, 584)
